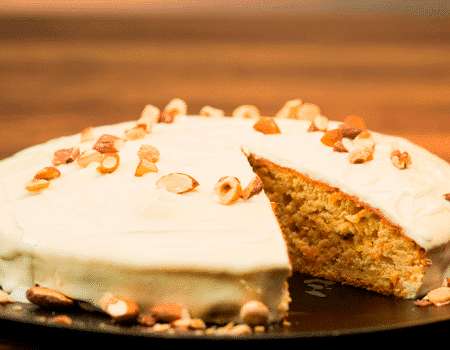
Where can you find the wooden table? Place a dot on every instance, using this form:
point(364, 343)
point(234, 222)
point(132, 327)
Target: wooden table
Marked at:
point(61, 74)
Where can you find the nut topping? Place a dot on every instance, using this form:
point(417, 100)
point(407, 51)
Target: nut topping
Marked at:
point(135, 133)
point(177, 183)
point(47, 173)
point(267, 125)
point(89, 156)
point(364, 140)
point(352, 126)
point(254, 187)
point(339, 147)
point(308, 111)
point(169, 312)
point(176, 106)
point(108, 144)
point(254, 313)
point(121, 310)
point(227, 190)
point(289, 110)
point(360, 155)
point(401, 160)
point(447, 197)
point(46, 297)
point(109, 163)
point(5, 298)
point(87, 134)
point(330, 137)
point(144, 167)
point(149, 116)
point(209, 111)
point(35, 185)
point(148, 152)
point(65, 156)
point(319, 123)
point(246, 111)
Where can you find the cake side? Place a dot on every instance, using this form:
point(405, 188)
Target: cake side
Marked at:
point(334, 236)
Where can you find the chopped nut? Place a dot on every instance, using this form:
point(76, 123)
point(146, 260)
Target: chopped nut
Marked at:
point(167, 117)
point(308, 111)
point(447, 197)
point(227, 190)
point(169, 312)
point(246, 111)
point(121, 310)
point(48, 173)
point(108, 144)
point(46, 297)
point(360, 155)
point(330, 137)
point(401, 160)
point(148, 152)
point(240, 329)
point(267, 125)
point(289, 110)
point(135, 133)
point(109, 163)
point(177, 183)
point(87, 134)
point(65, 156)
point(352, 126)
point(176, 106)
point(89, 156)
point(61, 319)
point(146, 320)
point(5, 298)
point(35, 185)
point(339, 147)
point(254, 313)
point(254, 187)
point(364, 140)
point(319, 123)
point(209, 111)
point(145, 167)
point(189, 323)
point(149, 117)
point(439, 296)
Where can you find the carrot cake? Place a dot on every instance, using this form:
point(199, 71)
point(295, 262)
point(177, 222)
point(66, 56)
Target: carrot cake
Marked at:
point(172, 208)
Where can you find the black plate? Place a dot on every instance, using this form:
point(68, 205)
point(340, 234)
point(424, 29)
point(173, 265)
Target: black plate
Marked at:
point(319, 310)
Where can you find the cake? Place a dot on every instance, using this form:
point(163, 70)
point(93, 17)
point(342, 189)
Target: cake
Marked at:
point(215, 212)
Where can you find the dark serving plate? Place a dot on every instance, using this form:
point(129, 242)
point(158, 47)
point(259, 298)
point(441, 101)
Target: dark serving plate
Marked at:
point(320, 310)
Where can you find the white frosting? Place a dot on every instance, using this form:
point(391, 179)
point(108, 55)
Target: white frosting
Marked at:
point(86, 221)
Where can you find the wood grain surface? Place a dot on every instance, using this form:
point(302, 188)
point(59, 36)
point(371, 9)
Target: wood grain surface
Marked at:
point(60, 74)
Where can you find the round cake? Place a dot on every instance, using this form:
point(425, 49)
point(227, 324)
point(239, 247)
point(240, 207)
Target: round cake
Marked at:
point(214, 212)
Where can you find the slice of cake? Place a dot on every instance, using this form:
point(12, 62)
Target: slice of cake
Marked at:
point(357, 207)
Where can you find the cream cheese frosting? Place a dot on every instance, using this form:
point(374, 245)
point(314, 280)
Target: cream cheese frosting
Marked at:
point(89, 233)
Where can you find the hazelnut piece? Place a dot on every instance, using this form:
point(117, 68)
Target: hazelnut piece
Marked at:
point(227, 190)
point(109, 163)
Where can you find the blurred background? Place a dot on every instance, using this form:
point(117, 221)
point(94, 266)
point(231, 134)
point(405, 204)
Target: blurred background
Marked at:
point(66, 65)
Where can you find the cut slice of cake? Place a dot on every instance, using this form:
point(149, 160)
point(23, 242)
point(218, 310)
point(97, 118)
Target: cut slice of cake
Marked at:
point(358, 207)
